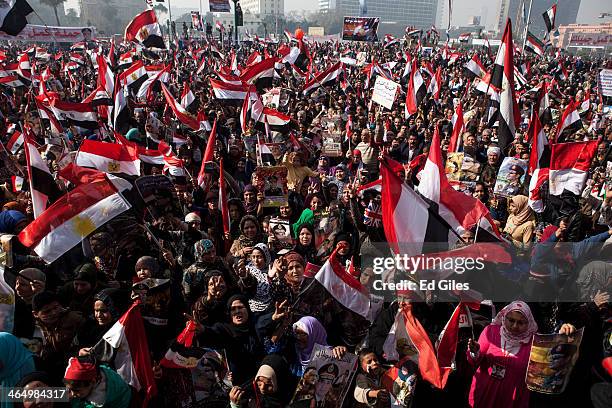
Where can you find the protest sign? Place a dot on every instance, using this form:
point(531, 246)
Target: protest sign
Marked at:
point(41, 33)
point(510, 177)
point(454, 162)
point(360, 28)
point(470, 169)
point(332, 144)
point(271, 98)
point(326, 379)
point(273, 182)
point(158, 194)
point(551, 361)
point(605, 82)
point(385, 92)
point(219, 6)
point(280, 230)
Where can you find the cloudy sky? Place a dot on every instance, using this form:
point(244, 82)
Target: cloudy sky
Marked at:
point(589, 9)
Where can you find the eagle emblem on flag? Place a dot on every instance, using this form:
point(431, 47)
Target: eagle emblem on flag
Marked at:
point(143, 33)
point(113, 167)
point(83, 225)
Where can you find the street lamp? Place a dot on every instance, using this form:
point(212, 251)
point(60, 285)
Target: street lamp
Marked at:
point(237, 19)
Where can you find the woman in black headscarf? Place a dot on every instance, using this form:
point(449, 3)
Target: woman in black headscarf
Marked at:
point(109, 306)
point(305, 243)
point(238, 337)
point(210, 307)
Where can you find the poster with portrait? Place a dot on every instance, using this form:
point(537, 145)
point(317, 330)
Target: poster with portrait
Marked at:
point(280, 230)
point(273, 182)
point(326, 226)
point(326, 379)
point(470, 169)
point(360, 29)
point(454, 163)
point(211, 382)
point(551, 361)
point(510, 177)
point(332, 144)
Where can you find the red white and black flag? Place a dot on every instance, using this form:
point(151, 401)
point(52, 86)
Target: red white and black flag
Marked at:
point(570, 122)
point(503, 78)
point(260, 74)
point(329, 77)
point(145, 30)
point(534, 44)
point(79, 114)
point(539, 162)
point(230, 93)
point(549, 17)
point(475, 67)
point(134, 76)
point(416, 91)
point(43, 188)
point(13, 16)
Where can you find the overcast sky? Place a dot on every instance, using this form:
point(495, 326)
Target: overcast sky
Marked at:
point(589, 9)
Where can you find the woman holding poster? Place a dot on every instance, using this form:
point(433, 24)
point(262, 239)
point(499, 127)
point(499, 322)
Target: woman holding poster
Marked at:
point(501, 356)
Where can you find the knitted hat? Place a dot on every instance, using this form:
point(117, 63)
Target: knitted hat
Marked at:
point(78, 370)
point(294, 257)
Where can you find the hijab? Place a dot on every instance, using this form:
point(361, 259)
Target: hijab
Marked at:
point(511, 342)
point(309, 251)
point(523, 213)
point(243, 239)
point(9, 220)
point(16, 362)
point(250, 208)
point(244, 328)
point(316, 335)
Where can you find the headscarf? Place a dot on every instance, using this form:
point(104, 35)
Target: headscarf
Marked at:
point(523, 213)
point(202, 247)
point(245, 327)
point(17, 361)
point(268, 372)
point(148, 262)
point(510, 342)
point(244, 240)
point(307, 217)
point(308, 251)
point(116, 301)
point(266, 252)
point(316, 335)
point(9, 220)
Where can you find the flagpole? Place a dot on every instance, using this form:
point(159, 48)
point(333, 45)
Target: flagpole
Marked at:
point(526, 26)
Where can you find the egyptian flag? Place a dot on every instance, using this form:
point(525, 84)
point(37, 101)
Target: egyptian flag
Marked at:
point(79, 114)
point(458, 128)
point(215, 53)
point(569, 166)
point(24, 68)
point(108, 157)
point(253, 59)
point(173, 165)
point(549, 17)
point(134, 76)
point(149, 86)
point(561, 72)
point(539, 162)
point(544, 111)
point(408, 220)
point(180, 112)
point(72, 218)
point(460, 211)
point(230, 93)
point(43, 188)
point(121, 113)
point(187, 97)
point(570, 122)
point(16, 139)
point(519, 80)
point(416, 91)
point(329, 77)
point(208, 156)
point(132, 357)
point(17, 183)
point(389, 40)
point(302, 60)
point(252, 108)
point(145, 30)
point(99, 97)
point(106, 78)
point(78, 58)
point(435, 86)
point(502, 78)
point(276, 121)
point(181, 353)
point(475, 67)
point(13, 16)
point(534, 44)
point(434, 365)
point(125, 60)
point(260, 74)
point(11, 81)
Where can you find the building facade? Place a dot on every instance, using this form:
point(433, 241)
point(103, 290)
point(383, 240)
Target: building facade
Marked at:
point(567, 11)
point(585, 36)
point(395, 15)
point(264, 7)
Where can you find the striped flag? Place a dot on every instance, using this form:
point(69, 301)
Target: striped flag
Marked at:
point(43, 188)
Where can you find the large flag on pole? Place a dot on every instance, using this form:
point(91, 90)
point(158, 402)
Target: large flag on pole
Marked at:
point(43, 188)
point(539, 161)
point(145, 30)
point(502, 78)
point(72, 218)
point(549, 17)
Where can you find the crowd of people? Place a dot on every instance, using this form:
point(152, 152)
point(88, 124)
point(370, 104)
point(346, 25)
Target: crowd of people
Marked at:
point(228, 267)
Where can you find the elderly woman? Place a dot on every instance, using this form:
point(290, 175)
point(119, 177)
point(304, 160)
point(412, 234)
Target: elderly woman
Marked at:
point(520, 226)
point(250, 234)
point(109, 306)
point(253, 279)
point(501, 356)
